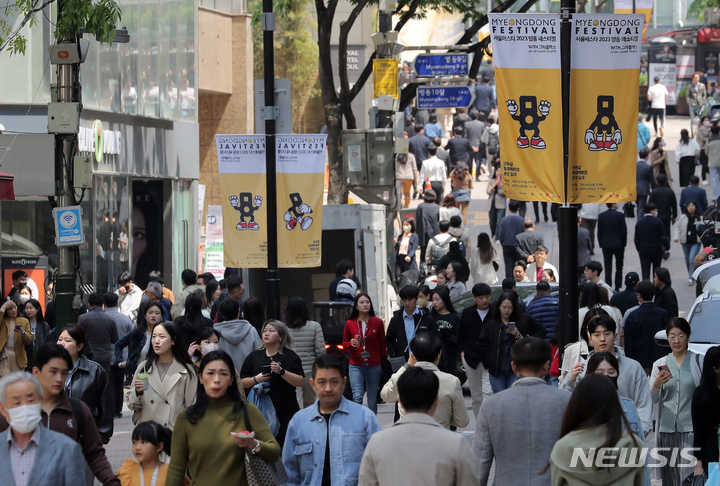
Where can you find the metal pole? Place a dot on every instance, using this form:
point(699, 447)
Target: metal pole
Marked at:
point(272, 281)
point(67, 91)
point(567, 215)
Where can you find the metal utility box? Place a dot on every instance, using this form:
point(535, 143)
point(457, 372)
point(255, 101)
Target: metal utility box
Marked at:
point(368, 157)
point(381, 169)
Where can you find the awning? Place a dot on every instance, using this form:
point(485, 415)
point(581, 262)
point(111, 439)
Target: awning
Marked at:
point(7, 192)
point(709, 35)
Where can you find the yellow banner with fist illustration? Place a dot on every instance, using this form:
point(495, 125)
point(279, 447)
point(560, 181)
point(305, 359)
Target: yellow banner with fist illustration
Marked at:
point(526, 54)
point(605, 60)
point(300, 165)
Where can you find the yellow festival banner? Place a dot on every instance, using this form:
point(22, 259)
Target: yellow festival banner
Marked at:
point(644, 7)
point(241, 163)
point(604, 92)
point(300, 183)
point(300, 170)
point(526, 54)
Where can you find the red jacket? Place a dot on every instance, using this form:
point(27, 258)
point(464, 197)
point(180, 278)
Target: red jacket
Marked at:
point(374, 341)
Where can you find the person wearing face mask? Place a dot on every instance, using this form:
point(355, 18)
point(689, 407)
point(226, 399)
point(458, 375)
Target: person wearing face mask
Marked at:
point(207, 341)
point(423, 301)
point(15, 334)
point(24, 294)
point(30, 453)
point(406, 247)
point(701, 135)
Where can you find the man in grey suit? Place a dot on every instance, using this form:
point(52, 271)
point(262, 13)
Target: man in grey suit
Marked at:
point(30, 454)
point(529, 413)
point(417, 450)
point(644, 180)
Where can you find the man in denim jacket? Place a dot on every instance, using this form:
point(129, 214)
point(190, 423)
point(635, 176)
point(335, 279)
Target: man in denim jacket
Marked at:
point(325, 442)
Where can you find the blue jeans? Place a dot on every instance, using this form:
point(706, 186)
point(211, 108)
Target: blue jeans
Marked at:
point(369, 376)
point(502, 381)
point(690, 250)
point(554, 381)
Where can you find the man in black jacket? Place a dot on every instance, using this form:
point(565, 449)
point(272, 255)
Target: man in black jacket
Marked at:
point(472, 320)
point(459, 148)
point(612, 236)
point(641, 326)
point(664, 198)
point(406, 323)
point(627, 298)
point(650, 240)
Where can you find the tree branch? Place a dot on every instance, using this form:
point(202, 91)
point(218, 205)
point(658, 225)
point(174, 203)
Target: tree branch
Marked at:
point(342, 62)
point(364, 75)
point(407, 16)
point(28, 16)
point(480, 23)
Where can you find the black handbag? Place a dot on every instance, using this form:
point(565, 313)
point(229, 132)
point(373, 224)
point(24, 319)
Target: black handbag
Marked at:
point(693, 480)
point(258, 471)
point(629, 210)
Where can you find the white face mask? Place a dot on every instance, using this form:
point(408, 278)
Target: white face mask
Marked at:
point(25, 418)
point(706, 123)
point(663, 143)
point(24, 298)
point(209, 348)
point(407, 228)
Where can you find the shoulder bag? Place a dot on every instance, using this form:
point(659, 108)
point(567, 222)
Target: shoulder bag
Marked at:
point(258, 471)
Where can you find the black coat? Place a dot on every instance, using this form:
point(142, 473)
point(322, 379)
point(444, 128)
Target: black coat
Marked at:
point(706, 418)
point(469, 334)
point(89, 383)
point(459, 149)
point(427, 219)
point(649, 234)
point(492, 334)
point(625, 299)
point(612, 229)
point(665, 298)
point(664, 198)
point(583, 247)
point(640, 328)
point(395, 338)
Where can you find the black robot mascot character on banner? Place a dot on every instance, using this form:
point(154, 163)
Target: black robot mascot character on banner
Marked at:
point(530, 115)
point(247, 207)
point(296, 215)
point(604, 133)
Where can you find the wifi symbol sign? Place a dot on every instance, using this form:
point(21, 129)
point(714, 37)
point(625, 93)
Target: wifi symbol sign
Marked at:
point(68, 219)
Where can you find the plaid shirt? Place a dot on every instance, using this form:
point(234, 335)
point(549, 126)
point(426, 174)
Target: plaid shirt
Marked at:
point(21, 460)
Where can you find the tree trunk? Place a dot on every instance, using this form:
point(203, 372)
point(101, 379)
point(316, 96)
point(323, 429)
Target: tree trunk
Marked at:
point(337, 192)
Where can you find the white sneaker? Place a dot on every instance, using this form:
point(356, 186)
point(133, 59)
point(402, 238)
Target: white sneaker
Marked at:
point(690, 281)
point(705, 183)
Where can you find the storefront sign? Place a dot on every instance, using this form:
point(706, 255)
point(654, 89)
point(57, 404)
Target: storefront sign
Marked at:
point(526, 53)
point(36, 269)
point(214, 252)
point(300, 170)
point(604, 111)
point(663, 64)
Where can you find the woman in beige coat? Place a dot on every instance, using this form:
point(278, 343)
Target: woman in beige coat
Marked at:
point(406, 172)
point(15, 334)
point(659, 161)
point(171, 383)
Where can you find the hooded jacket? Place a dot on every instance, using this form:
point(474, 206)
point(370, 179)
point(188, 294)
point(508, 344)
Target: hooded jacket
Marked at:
point(239, 339)
point(580, 475)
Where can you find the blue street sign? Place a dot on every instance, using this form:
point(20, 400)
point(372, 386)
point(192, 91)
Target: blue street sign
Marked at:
point(442, 65)
point(445, 97)
point(68, 226)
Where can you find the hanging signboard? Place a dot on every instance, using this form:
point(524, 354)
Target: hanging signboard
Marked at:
point(300, 172)
point(526, 53)
point(605, 65)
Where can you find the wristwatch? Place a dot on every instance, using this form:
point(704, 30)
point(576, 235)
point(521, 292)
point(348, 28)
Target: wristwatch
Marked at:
point(257, 448)
point(282, 371)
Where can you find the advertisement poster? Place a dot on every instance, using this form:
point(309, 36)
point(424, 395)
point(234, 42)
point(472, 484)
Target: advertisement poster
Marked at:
point(214, 257)
point(301, 171)
point(663, 63)
point(241, 162)
point(526, 53)
point(605, 57)
point(36, 269)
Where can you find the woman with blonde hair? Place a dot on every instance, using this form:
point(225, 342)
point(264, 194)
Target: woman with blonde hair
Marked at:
point(462, 183)
point(275, 363)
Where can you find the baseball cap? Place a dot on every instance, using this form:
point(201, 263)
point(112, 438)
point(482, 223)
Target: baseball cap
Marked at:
point(347, 288)
point(631, 279)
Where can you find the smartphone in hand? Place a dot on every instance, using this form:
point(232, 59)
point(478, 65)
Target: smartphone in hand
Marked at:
point(665, 368)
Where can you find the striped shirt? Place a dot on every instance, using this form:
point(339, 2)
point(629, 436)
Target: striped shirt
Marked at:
point(22, 459)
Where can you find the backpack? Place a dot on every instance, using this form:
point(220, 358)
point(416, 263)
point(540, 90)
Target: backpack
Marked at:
point(440, 249)
point(79, 418)
point(493, 143)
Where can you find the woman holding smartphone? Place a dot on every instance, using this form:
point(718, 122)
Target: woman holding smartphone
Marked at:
point(364, 335)
point(498, 335)
point(15, 334)
point(672, 384)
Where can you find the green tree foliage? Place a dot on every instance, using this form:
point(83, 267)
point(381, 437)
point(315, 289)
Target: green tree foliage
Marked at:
point(697, 8)
point(296, 53)
point(98, 17)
